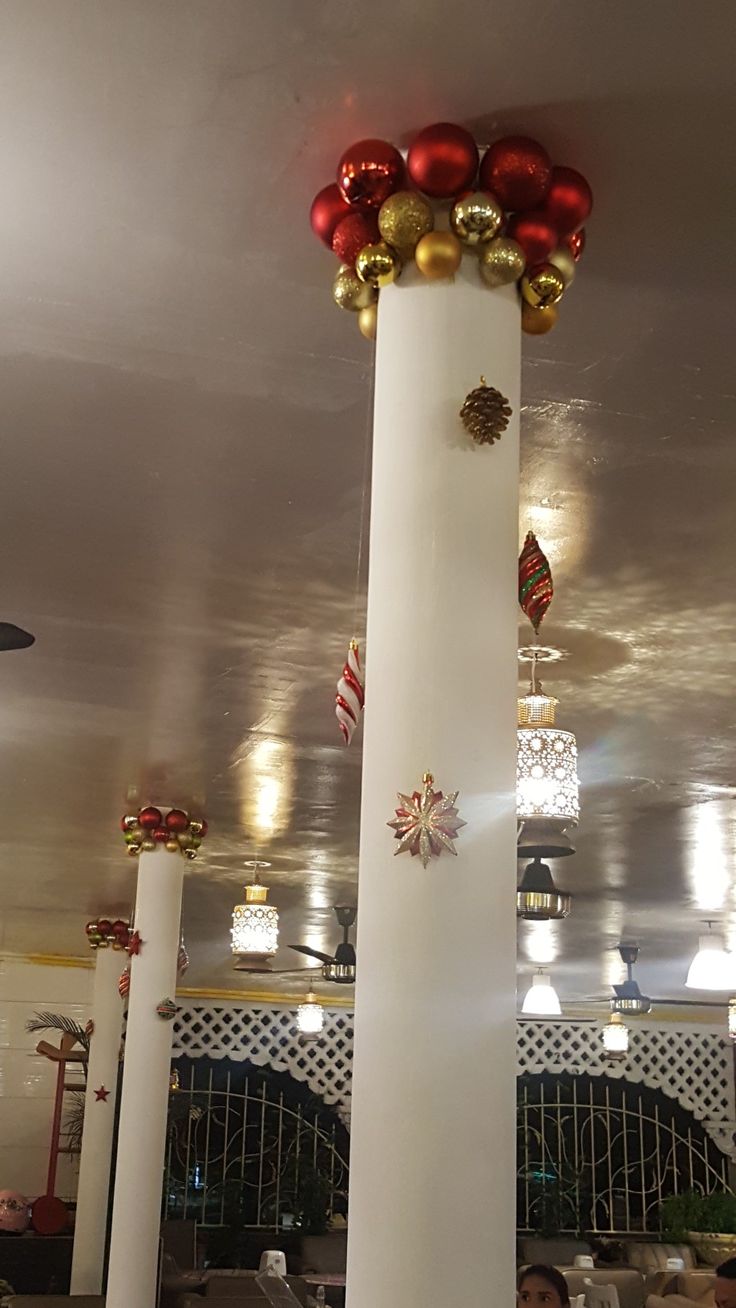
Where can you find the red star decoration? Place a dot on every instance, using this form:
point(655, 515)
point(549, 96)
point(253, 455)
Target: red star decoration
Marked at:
point(101, 1094)
point(135, 944)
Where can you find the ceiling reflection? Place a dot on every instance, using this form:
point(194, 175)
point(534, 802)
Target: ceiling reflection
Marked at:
point(265, 790)
point(709, 855)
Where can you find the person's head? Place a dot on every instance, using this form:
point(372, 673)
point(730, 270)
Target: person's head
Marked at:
point(545, 1287)
point(725, 1292)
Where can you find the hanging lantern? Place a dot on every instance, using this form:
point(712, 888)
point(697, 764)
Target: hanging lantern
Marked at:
point(174, 1082)
point(310, 1018)
point(546, 777)
point(615, 1039)
point(255, 931)
point(541, 999)
point(732, 1019)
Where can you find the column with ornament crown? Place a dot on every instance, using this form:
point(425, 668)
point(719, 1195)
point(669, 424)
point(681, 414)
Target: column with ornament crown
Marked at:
point(161, 840)
point(445, 257)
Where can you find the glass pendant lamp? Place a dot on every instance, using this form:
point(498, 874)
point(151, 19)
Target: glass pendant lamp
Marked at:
point(615, 1039)
point(255, 929)
point(541, 999)
point(732, 1019)
point(310, 1018)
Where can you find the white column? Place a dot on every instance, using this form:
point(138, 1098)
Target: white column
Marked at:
point(433, 1136)
point(90, 1224)
point(136, 1214)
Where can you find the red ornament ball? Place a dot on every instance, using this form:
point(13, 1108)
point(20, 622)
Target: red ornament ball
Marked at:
point(569, 200)
point(443, 160)
point(535, 234)
point(329, 206)
point(104, 926)
point(120, 929)
point(369, 172)
point(575, 243)
point(91, 929)
point(517, 170)
point(160, 835)
point(177, 820)
point(150, 818)
point(355, 231)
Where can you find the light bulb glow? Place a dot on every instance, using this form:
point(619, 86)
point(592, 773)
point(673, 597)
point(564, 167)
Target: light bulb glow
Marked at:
point(615, 1039)
point(547, 774)
point(712, 968)
point(255, 929)
point(732, 1019)
point(310, 1017)
point(541, 998)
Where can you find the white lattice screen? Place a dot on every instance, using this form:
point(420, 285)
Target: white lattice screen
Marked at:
point(690, 1063)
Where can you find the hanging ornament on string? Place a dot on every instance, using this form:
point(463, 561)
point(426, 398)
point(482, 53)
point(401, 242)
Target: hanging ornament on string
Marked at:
point(166, 1009)
point(427, 822)
point(485, 413)
point(535, 581)
point(350, 697)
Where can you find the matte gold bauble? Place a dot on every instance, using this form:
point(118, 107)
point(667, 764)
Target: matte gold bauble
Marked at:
point(476, 217)
point(538, 321)
point(564, 262)
point(349, 292)
point(501, 261)
point(542, 286)
point(438, 255)
point(403, 220)
point(368, 322)
point(378, 264)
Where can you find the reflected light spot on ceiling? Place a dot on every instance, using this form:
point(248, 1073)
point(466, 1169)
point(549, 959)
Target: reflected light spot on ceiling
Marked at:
point(541, 942)
point(266, 782)
point(708, 870)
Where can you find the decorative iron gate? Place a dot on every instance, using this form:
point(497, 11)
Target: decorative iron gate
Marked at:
point(251, 1147)
point(599, 1156)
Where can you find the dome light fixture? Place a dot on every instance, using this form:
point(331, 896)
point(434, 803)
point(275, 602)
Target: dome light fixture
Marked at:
point(546, 776)
point(713, 967)
point(255, 930)
point(629, 998)
point(310, 1018)
point(541, 999)
point(615, 1039)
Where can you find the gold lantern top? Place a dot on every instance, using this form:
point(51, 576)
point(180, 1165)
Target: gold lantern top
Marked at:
point(536, 709)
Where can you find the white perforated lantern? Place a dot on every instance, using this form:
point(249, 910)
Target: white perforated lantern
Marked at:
point(310, 1018)
point(615, 1039)
point(255, 931)
point(546, 763)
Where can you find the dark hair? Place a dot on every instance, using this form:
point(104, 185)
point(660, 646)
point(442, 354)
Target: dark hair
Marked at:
point(727, 1270)
point(555, 1279)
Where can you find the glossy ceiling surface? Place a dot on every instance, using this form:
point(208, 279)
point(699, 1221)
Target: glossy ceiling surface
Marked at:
point(185, 419)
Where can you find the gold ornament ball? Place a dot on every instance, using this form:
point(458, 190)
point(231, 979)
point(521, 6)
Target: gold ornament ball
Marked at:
point(172, 846)
point(538, 321)
point(542, 286)
point(564, 262)
point(368, 322)
point(349, 292)
point(475, 218)
point(502, 261)
point(378, 264)
point(438, 255)
point(403, 219)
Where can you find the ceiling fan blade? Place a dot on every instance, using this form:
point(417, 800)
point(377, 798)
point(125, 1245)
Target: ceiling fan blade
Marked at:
point(312, 953)
point(12, 637)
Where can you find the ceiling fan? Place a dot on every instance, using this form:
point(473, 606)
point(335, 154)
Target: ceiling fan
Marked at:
point(340, 967)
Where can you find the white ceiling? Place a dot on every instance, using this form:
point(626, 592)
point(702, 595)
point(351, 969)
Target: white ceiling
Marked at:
point(184, 422)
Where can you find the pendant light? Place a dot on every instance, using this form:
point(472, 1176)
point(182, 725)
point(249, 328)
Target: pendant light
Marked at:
point(537, 898)
point(629, 998)
point(541, 998)
point(615, 1039)
point(732, 1019)
point(546, 775)
point(310, 1018)
point(255, 930)
point(713, 967)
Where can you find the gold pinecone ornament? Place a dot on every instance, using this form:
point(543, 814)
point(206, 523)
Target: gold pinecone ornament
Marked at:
point(485, 414)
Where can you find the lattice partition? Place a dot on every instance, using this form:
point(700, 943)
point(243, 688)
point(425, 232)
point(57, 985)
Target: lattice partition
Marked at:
point(692, 1064)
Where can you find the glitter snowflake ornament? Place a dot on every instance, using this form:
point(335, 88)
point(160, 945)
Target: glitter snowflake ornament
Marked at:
point(427, 822)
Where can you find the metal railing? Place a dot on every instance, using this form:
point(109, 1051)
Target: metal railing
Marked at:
point(237, 1153)
point(600, 1156)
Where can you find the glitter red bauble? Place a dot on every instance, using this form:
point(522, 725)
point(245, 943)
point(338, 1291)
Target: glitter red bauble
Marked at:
point(150, 818)
point(569, 200)
point(575, 243)
point(535, 234)
point(443, 160)
point(369, 172)
point(329, 206)
point(177, 820)
point(517, 170)
point(352, 233)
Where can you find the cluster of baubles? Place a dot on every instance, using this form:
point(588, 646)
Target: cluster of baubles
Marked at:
point(523, 217)
point(103, 933)
point(175, 830)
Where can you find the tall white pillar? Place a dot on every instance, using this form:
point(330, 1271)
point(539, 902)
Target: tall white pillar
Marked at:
point(136, 1214)
point(433, 1136)
point(90, 1224)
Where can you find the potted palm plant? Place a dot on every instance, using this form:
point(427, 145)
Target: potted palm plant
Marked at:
point(706, 1221)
